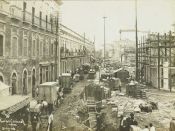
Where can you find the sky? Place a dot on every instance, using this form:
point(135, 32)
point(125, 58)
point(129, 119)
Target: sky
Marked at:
point(86, 16)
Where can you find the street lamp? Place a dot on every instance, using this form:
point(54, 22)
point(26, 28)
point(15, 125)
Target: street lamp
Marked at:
point(104, 38)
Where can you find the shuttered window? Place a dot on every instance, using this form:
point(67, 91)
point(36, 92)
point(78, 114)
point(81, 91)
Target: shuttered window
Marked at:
point(14, 48)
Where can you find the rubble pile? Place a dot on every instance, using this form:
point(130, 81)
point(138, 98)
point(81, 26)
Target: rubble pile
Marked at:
point(160, 118)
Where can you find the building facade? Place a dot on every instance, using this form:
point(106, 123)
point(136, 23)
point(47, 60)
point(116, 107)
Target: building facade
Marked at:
point(124, 51)
point(28, 47)
point(156, 57)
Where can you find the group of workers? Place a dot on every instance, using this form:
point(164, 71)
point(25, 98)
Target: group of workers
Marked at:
point(36, 118)
point(130, 124)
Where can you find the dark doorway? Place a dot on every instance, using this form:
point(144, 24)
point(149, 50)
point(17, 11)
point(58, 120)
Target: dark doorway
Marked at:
point(33, 83)
point(14, 85)
point(25, 82)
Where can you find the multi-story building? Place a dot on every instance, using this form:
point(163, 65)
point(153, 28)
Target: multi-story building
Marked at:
point(124, 51)
point(28, 51)
point(75, 50)
point(156, 60)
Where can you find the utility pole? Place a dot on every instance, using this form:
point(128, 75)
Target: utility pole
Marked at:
point(136, 40)
point(56, 47)
point(104, 38)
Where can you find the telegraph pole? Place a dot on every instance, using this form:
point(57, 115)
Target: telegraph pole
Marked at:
point(104, 38)
point(136, 40)
point(56, 47)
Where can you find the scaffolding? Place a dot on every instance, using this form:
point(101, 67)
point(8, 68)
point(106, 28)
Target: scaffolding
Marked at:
point(156, 60)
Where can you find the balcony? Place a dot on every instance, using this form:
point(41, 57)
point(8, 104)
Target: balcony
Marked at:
point(72, 54)
point(49, 26)
point(15, 13)
point(3, 7)
point(27, 17)
point(43, 24)
point(36, 21)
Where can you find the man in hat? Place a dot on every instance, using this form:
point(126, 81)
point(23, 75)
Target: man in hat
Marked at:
point(172, 124)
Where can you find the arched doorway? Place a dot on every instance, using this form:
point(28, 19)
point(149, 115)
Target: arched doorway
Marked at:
point(14, 83)
point(25, 82)
point(33, 83)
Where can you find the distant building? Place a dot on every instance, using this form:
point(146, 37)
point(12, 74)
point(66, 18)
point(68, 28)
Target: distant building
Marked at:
point(27, 44)
point(124, 51)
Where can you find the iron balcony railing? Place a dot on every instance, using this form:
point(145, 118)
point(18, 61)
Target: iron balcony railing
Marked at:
point(27, 17)
point(36, 21)
point(15, 13)
point(72, 54)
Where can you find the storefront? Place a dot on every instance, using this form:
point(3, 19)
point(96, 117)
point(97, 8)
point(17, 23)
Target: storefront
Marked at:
point(12, 109)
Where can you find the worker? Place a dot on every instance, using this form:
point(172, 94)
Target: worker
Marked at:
point(146, 128)
point(34, 122)
point(135, 127)
point(172, 124)
point(152, 128)
point(50, 121)
point(44, 106)
point(121, 127)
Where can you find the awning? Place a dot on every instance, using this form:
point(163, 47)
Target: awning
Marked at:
point(13, 103)
point(4, 89)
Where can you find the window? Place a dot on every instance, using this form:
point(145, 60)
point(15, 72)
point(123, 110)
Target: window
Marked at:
point(14, 47)
point(24, 9)
point(41, 48)
point(47, 74)
point(38, 46)
point(52, 48)
point(47, 48)
point(41, 79)
point(34, 48)
point(40, 17)
point(51, 21)
point(46, 21)
point(1, 46)
point(33, 15)
point(25, 48)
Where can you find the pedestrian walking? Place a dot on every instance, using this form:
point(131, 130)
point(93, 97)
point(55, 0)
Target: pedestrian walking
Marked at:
point(50, 122)
point(146, 128)
point(172, 124)
point(152, 128)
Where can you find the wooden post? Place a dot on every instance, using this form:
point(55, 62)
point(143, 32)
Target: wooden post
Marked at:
point(150, 61)
point(170, 61)
point(158, 67)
